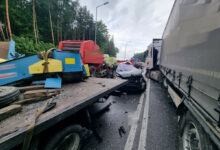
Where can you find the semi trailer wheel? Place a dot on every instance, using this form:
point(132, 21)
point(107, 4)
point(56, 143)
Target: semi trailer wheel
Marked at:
point(8, 94)
point(147, 73)
point(69, 138)
point(192, 135)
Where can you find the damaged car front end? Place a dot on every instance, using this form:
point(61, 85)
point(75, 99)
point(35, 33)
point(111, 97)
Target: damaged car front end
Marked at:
point(136, 82)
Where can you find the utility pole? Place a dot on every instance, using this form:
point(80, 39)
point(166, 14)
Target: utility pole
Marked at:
point(126, 43)
point(96, 17)
point(125, 50)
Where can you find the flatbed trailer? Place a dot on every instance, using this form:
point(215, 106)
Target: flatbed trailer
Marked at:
point(73, 98)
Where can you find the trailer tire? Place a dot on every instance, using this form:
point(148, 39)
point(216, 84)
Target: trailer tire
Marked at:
point(8, 94)
point(192, 136)
point(71, 137)
point(147, 73)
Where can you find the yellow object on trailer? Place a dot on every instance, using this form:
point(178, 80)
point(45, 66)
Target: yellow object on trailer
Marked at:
point(2, 60)
point(53, 65)
point(87, 70)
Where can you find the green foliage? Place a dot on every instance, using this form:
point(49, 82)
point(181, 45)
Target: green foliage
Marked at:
point(27, 46)
point(105, 41)
point(70, 22)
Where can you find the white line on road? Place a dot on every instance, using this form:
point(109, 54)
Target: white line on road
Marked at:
point(143, 135)
point(132, 132)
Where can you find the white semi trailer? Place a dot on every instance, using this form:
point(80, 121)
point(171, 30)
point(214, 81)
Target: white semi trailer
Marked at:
point(190, 63)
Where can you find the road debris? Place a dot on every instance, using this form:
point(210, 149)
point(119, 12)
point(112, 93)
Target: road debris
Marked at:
point(121, 131)
point(102, 84)
point(9, 111)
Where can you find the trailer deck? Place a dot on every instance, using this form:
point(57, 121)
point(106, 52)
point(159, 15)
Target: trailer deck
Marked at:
point(73, 98)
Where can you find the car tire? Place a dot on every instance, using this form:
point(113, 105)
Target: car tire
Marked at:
point(8, 94)
point(165, 83)
point(71, 137)
point(192, 136)
point(143, 85)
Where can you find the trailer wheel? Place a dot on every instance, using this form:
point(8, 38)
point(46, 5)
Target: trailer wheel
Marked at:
point(147, 73)
point(192, 135)
point(69, 138)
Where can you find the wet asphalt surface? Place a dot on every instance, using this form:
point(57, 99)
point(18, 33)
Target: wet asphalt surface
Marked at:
point(162, 133)
point(161, 124)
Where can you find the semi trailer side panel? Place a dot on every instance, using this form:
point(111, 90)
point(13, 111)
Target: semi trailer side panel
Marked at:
point(190, 56)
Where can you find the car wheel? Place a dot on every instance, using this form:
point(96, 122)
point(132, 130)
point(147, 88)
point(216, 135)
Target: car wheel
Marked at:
point(143, 85)
point(192, 135)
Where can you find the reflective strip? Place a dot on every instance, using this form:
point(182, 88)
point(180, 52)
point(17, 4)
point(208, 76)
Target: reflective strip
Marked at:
point(4, 67)
point(8, 75)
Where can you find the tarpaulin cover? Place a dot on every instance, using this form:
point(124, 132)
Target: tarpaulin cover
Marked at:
point(110, 61)
point(91, 53)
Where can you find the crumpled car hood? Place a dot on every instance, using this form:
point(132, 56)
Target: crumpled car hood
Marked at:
point(132, 73)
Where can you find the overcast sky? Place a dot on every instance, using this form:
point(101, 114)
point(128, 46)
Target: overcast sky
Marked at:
point(132, 22)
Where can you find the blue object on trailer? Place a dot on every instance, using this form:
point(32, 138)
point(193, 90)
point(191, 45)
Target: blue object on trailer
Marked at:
point(12, 54)
point(69, 66)
point(15, 70)
point(53, 82)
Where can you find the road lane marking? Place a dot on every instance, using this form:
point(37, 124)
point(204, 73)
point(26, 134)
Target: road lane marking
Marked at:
point(132, 132)
point(143, 134)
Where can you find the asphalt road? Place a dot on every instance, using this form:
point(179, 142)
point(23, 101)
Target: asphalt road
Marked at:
point(148, 119)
